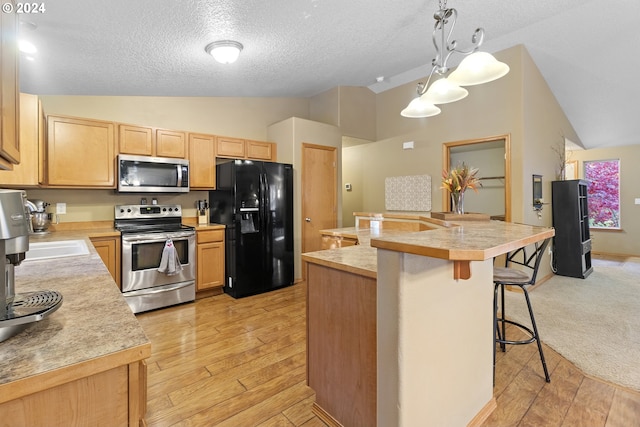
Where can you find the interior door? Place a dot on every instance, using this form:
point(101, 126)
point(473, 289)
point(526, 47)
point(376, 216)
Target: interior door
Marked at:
point(480, 153)
point(319, 194)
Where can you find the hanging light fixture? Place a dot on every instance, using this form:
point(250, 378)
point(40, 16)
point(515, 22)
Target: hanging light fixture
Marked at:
point(224, 51)
point(476, 68)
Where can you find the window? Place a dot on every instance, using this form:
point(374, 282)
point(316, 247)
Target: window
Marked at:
point(603, 193)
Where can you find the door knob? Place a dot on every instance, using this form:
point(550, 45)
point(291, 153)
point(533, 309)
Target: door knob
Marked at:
point(308, 219)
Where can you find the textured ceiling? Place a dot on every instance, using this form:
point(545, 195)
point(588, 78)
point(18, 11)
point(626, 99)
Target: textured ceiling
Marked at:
point(587, 50)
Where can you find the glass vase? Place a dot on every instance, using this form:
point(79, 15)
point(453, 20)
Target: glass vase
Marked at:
point(457, 203)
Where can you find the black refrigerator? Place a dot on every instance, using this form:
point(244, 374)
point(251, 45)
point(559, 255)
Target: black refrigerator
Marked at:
point(254, 200)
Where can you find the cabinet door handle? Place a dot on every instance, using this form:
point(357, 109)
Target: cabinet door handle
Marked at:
point(307, 219)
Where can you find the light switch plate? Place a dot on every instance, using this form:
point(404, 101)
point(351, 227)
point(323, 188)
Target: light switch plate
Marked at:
point(637, 201)
point(61, 208)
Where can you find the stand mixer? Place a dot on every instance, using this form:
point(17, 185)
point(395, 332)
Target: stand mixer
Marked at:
point(18, 311)
point(39, 218)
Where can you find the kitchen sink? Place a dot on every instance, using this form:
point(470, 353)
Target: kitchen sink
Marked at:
point(57, 249)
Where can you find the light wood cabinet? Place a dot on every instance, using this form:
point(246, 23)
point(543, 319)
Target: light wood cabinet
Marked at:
point(210, 250)
point(29, 173)
point(109, 250)
point(230, 147)
point(135, 140)
point(80, 153)
point(236, 148)
point(9, 91)
point(202, 161)
point(147, 141)
point(113, 397)
point(171, 144)
point(260, 150)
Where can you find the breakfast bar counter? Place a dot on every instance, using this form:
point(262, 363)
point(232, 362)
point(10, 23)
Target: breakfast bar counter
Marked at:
point(410, 341)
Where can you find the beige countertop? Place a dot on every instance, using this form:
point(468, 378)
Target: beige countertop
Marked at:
point(93, 323)
point(363, 235)
point(359, 259)
point(469, 241)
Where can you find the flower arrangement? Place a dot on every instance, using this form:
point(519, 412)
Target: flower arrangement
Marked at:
point(460, 178)
point(456, 182)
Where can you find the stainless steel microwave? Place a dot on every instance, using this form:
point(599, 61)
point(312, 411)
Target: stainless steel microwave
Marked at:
point(145, 174)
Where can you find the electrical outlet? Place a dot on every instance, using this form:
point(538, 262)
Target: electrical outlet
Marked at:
point(550, 251)
point(61, 208)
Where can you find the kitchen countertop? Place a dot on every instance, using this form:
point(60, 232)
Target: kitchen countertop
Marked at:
point(469, 241)
point(93, 322)
point(363, 235)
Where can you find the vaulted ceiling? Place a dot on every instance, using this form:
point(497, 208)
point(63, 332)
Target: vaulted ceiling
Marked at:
point(587, 50)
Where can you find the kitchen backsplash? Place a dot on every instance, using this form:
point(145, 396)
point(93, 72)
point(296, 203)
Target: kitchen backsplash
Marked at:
point(98, 205)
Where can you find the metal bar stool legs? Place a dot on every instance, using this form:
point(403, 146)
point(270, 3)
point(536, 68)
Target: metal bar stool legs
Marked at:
point(500, 327)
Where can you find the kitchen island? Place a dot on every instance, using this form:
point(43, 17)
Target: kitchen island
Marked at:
point(401, 333)
point(82, 365)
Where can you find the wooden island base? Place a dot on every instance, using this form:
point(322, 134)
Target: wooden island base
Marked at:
point(341, 354)
point(400, 333)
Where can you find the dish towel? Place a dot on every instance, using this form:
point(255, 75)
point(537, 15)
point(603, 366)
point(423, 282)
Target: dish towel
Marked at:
point(170, 262)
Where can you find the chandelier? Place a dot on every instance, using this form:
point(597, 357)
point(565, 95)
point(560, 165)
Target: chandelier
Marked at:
point(476, 68)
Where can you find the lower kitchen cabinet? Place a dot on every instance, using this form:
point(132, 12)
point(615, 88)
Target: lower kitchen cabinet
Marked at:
point(210, 260)
point(109, 250)
point(112, 397)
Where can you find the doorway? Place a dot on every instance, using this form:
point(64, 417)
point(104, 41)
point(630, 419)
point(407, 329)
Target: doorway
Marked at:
point(492, 155)
point(319, 193)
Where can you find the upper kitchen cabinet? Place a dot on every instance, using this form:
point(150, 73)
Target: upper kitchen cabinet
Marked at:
point(261, 150)
point(170, 143)
point(135, 140)
point(245, 149)
point(80, 152)
point(146, 141)
point(29, 173)
point(9, 91)
point(202, 161)
point(230, 147)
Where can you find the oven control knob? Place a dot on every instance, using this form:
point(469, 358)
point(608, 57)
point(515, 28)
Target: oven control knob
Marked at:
point(129, 210)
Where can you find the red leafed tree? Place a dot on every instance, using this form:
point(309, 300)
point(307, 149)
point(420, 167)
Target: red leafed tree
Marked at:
point(603, 192)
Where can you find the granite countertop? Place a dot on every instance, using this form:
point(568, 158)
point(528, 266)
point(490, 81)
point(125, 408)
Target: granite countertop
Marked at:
point(468, 241)
point(363, 235)
point(358, 259)
point(93, 321)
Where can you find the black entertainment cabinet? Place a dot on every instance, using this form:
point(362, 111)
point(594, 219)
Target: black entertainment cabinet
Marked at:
point(572, 242)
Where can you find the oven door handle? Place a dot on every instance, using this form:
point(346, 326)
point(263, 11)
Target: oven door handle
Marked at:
point(150, 291)
point(145, 238)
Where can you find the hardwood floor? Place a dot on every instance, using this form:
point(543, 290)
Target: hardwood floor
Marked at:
point(240, 363)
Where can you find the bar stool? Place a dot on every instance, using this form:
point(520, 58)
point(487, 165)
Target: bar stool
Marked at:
point(508, 276)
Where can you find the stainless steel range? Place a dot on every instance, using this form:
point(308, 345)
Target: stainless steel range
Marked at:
point(158, 256)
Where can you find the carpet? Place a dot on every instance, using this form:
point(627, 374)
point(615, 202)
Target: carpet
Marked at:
point(592, 322)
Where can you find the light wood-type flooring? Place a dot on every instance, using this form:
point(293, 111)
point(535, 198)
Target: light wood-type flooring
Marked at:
point(241, 363)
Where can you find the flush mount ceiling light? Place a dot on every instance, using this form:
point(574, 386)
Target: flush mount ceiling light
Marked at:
point(476, 68)
point(224, 51)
